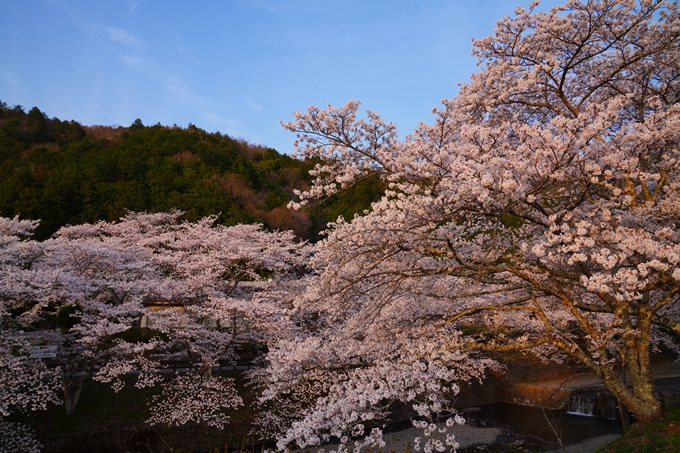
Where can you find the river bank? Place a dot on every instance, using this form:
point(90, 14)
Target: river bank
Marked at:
point(107, 423)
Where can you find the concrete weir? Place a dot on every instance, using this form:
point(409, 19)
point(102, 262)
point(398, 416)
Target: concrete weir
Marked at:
point(584, 393)
point(596, 403)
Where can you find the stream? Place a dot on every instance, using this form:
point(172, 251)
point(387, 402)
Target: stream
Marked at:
point(536, 428)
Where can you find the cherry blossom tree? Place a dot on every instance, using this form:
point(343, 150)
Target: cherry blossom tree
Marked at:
point(540, 210)
point(202, 399)
point(94, 289)
point(231, 279)
point(25, 383)
point(228, 286)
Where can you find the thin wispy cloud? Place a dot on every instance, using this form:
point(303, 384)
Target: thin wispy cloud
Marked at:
point(239, 66)
point(132, 5)
point(178, 89)
point(251, 105)
point(274, 6)
point(122, 36)
point(131, 60)
point(115, 34)
point(226, 125)
point(184, 50)
point(9, 79)
point(10, 84)
point(131, 51)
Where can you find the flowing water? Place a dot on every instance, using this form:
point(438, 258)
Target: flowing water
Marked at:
point(595, 404)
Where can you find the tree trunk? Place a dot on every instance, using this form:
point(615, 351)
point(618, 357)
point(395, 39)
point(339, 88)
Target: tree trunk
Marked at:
point(72, 396)
point(643, 404)
point(73, 384)
point(640, 399)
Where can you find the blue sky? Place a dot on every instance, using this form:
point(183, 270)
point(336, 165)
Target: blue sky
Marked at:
point(238, 67)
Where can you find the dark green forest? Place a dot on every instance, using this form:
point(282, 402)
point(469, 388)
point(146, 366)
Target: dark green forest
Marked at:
point(62, 173)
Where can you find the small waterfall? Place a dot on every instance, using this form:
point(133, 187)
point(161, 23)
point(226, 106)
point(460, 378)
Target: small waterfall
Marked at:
point(594, 404)
point(581, 405)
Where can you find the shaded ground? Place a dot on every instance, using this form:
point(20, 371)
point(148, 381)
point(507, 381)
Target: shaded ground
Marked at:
point(109, 422)
point(590, 445)
point(466, 436)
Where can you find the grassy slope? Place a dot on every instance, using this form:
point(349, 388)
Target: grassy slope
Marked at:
point(662, 435)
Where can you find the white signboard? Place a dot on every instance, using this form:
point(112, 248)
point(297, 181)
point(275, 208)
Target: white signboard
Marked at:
point(43, 352)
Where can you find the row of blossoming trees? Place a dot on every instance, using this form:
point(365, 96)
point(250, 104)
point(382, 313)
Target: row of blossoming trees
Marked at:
point(542, 207)
point(98, 280)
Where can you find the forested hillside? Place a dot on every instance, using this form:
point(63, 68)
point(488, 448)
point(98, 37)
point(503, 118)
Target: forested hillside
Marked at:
point(64, 173)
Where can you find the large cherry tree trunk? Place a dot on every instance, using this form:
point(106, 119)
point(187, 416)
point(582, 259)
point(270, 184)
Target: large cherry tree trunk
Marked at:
point(635, 387)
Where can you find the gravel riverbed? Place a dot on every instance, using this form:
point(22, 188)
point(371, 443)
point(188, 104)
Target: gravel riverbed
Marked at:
point(475, 439)
point(466, 436)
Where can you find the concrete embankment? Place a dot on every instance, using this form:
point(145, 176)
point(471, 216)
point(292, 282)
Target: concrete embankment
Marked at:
point(585, 393)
